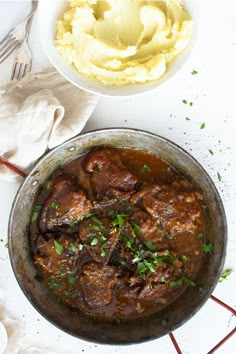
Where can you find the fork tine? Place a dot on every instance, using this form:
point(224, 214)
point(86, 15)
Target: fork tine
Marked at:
point(8, 51)
point(13, 73)
point(6, 43)
point(5, 38)
point(21, 71)
point(27, 69)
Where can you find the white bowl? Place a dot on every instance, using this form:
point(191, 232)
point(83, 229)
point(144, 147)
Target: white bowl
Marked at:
point(51, 10)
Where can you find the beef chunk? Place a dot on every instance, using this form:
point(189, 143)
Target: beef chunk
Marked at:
point(97, 283)
point(100, 238)
point(65, 207)
point(108, 172)
point(149, 228)
point(174, 210)
point(53, 258)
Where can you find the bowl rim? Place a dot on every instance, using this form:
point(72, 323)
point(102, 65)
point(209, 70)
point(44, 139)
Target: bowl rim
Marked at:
point(183, 151)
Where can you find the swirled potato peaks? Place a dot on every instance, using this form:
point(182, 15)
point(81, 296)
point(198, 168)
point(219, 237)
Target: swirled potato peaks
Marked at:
point(123, 42)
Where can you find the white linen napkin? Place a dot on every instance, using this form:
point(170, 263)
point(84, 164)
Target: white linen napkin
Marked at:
point(38, 113)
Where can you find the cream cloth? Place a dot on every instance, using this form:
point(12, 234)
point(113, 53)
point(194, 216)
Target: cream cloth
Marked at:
point(38, 113)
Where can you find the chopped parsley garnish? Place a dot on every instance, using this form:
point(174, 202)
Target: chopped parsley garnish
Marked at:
point(53, 284)
point(136, 229)
point(81, 247)
point(185, 101)
point(36, 211)
point(119, 220)
point(73, 223)
point(72, 247)
point(102, 251)
point(187, 118)
point(225, 274)
point(190, 104)
point(6, 245)
point(170, 236)
point(150, 245)
point(146, 168)
point(94, 241)
point(184, 258)
point(58, 247)
point(54, 205)
point(219, 177)
point(200, 235)
point(71, 293)
point(72, 279)
point(162, 279)
point(203, 126)
point(194, 72)
point(96, 220)
point(207, 247)
point(159, 230)
point(181, 281)
point(211, 152)
point(88, 215)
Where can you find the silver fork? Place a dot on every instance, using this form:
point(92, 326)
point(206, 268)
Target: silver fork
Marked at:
point(23, 59)
point(16, 35)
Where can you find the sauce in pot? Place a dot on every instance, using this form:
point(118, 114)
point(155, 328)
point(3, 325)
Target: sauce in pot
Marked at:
point(117, 233)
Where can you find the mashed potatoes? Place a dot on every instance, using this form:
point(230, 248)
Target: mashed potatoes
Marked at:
point(123, 42)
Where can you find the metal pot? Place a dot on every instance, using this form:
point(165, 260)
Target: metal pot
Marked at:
point(77, 323)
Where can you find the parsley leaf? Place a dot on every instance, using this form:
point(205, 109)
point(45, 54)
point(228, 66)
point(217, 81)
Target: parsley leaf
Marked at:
point(225, 274)
point(194, 72)
point(219, 177)
point(150, 245)
point(36, 212)
point(208, 247)
point(94, 241)
point(203, 126)
point(146, 168)
point(54, 205)
point(58, 247)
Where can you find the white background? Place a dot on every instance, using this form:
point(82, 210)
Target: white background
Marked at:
point(212, 92)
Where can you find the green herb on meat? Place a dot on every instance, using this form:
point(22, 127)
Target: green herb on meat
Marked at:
point(72, 247)
point(119, 220)
point(181, 281)
point(58, 247)
point(184, 258)
point(36, 212)
point(225, 275)
point(96, 220)
point(71, 293)
point(159, 230)
point(54, 205)
point(94, 241)
point(162, 279)
point(146, 168)
point(208, 247)
point(170, 236)
point(72, 279)
point(50, 185)
point(200, 235)
point(150, 245)
point(53, 284)
point(136, 229)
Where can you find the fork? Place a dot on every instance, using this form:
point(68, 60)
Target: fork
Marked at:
point(16, 35)
point(23, 59)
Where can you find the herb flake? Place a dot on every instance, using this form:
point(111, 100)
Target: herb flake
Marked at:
point(58, 247)
point(225, 275)
point(208, 247)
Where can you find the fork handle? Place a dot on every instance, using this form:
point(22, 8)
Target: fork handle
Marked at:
point(34, 8)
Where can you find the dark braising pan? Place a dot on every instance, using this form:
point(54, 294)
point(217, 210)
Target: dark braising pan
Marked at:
point(132, 331)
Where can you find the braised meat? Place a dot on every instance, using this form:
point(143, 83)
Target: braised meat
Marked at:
point(108, 173)
point(97, 283)
point(117, 235)
point(175, 211)
point(65, 207)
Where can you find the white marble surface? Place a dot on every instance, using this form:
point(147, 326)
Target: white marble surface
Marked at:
point(162, 111)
